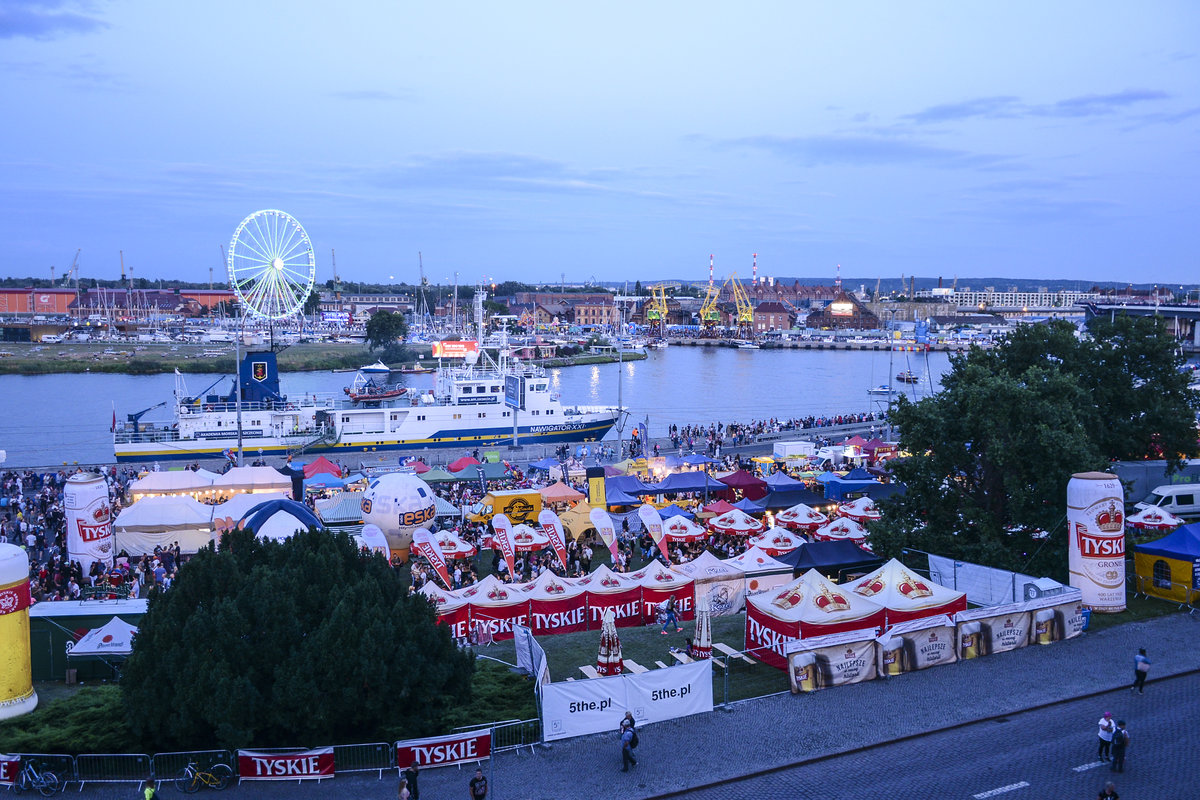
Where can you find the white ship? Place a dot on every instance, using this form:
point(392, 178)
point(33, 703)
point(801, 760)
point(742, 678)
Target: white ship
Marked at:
point(466, 407)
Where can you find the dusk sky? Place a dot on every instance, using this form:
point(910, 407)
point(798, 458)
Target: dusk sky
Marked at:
point(619, 140)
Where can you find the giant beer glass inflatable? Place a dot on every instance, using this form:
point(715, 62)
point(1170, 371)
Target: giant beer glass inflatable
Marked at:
point(16, 675)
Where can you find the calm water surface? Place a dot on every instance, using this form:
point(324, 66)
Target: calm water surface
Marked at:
point(50, 419)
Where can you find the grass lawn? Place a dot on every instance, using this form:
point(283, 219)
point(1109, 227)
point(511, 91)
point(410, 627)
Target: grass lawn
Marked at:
point(1136, 608)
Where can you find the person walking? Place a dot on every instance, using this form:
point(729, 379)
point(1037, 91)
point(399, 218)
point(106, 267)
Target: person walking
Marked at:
point(1120, 743)
point(478, 786)
point(672, 619)
point(1107, 726)
point(627, 757)
point(1141, 666)
point(1109, 792)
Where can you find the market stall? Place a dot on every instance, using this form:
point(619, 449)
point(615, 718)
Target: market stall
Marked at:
point(660, 583)
point(905, 595)
point(723, 587)
point(161, 521)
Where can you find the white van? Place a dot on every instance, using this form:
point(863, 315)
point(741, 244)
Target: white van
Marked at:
point(1181, 499)
point(52, 338)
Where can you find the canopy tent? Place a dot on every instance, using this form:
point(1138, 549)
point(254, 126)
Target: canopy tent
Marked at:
point(616, 497)
point(682, 529)
point(716, 509)
point(692, 481)
point(577, 520)
point(251, 480)
point(781, 480)
point(227, 515)
point(609, 590)
point(839, 488)
point(280, 519)
point(841, 529)
point(496, 607)
point(810, 605)
point(163, 520)
point(113, 638)
point(862, 509)
point(750, 486)
point(801, 517)
point(459, 464)
point(735, 522)
point(723, 587)
point(675, 511)
point(831, 558)
point(439, 475)
point(762, 571)
point(492, 470)
point(786, 498)
point(749, 506)
point(696, 460)
point(557, 605)
point(546, 464)
point(418, 466)
point(1153, 518)
point(881, 491)
point(322, 466)
point(906, 595)
point(173, 482)
point(524, 540)
point(660, 583)
point(776, 541)
point(453, 546)
point(444, 508)
point(611, 471)
point(452, 608)
point(323, 480)
point(629, 484)
point(1167, 568)
point(342, 508)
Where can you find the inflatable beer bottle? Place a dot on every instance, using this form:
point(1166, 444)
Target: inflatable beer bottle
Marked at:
point(16, 676)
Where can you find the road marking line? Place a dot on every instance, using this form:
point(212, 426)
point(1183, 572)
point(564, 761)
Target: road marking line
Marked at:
point(1086, 767)
point(1001, 790)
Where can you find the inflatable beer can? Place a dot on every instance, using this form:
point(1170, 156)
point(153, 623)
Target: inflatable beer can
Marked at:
point(16, 672)
point(89, 520)
point(1096, 540)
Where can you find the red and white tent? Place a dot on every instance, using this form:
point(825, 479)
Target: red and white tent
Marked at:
point(801, 518)
point(735, 523)
point(452, 608)
point(525, 540)
point(811, 605)
point(453, 546)
point(861, 510)
point(557, 605)
point(841, 528)
point(1153, 519)
point(497, 606)
point(723, 587)
point(680, 529)
point(607, 589)
point(776, 541)
point(762, 571)
point(113, 638)
point(658, 583)
point(906, 595)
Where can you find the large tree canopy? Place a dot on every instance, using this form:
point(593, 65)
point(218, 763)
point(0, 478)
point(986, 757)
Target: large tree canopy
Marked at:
point(993, 451)
point(303, 642)
point(385, 328)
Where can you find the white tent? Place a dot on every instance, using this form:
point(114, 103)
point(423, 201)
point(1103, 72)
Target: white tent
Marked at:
point(113, 638)
point(163, 520)
point(776, 541)
point(174, 482)
point(842, 529)
point(281, 525)
point(723, 586)
point(907, 595)
point(762, 571)
point(227, 515)
point(257, 480)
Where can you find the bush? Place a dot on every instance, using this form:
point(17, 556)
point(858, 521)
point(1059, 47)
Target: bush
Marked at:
point(92, 720)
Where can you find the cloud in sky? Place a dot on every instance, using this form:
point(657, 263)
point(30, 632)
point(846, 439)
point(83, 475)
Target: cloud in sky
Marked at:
point(45, 19)
point(1000, 106)
point(861, 150)
point(1008, 106)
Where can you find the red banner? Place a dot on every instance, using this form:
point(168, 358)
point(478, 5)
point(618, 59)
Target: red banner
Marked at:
point(626, 605)
point(684, 607)
point(427, 546)
point(503, 537)
point(14, 598)
point(552, 526)
point(458, 621)
point(442, 751)
point(10, 766)
point(499, 620)
point(254, 765)
point(558, 616)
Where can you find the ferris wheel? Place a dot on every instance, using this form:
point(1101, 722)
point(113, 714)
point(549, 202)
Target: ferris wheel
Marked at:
point(271, 265)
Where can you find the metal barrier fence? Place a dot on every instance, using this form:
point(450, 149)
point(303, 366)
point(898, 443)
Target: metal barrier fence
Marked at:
point(516, 734)
point(167, 766)
point(112, 768)
point(62, 766)
point(1184, 595)
point(372, 757)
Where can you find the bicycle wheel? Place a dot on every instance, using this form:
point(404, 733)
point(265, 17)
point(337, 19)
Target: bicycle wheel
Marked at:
point(187, 782)
point(22, 782)
point(49, 784)
point(223, 774)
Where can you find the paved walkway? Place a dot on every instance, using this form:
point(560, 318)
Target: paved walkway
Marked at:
point(774, 731)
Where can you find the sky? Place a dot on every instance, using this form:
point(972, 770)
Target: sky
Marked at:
point(611, 141)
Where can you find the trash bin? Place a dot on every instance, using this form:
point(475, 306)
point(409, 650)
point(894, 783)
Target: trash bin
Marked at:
point(1087, 618)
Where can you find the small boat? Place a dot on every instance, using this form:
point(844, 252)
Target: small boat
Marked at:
point(374, 393)
point(378, 368)
point(416, 370)
point(882, 389)
point(908, 376)
point(747, 346)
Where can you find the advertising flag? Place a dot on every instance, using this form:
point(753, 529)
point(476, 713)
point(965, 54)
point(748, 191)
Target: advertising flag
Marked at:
point(604, 526)
point(427, 546)
point(552, 526)
point(654, 524)
point(502, 535)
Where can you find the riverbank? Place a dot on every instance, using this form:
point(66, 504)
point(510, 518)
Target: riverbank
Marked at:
point(23, 358)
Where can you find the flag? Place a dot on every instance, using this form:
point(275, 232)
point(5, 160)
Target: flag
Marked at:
point(653, 522)
point(427, 546)
point(502, 536)
point(114, 422)
point(552, 527)
point(604, 527)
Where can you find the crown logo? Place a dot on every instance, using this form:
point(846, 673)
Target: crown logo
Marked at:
point(829, 602)
point(523, 538)
point(555, 588)
point(1111, 519)
point(610, 582)
point(912, 587)
point(788, 599)
point(933, 636)
point(497, 594)
point(870, 587)
point(101, 513)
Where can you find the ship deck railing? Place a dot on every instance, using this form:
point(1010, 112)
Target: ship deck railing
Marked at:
point(325, 401)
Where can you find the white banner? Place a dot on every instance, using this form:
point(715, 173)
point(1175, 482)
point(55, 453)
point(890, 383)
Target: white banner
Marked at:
point(530, 655)
point(988, 586)
point(604, 527)
point(576, 708)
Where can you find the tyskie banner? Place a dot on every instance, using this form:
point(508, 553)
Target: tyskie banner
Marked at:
point(553, 528)
point(502, 535)
point(654, 524)
point(9, 767)
point(254, 765)
point(444, 751)
point(427, 546)
point(604, 527)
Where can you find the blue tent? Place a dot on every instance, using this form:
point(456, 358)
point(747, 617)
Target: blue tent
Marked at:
point(689, 482)
point(858, 474)
point(323, 480)
point(675, 511)
point(750, 506)
point(262, 512)
point(630, 484)
point(674, 462)
point(616, 497)
point(546, 464)
point(786, 498)
point(696, 460)
point(1182, 544)
point(839, 488)
point(781, 480)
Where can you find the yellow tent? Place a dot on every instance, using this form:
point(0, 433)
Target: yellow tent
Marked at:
point(576, 522)
point(1167, 567)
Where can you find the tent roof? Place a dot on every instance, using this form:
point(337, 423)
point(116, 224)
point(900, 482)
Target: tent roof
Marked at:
point(172, 481)
point(492, 592)
point(113, 638)
point(788, 497)
point(459, 464)
point(418, 466)
point(629, 484)
point(444, 600)
point(656, 576)
point(323, 480)
point(755, 559)
point(279, 519)
point(549, 586)
point(706, 565)
point(169, 513)
point(814, 599)
point(560, 492)
point(342, 507)
point(898, 588)
point(437, 474)
point(829, 556)
point(858, 474)
point(694, 481)
point(322, 465)
point(750, 506)
point(1183, 544)
point(743, 480)
point(253, 478)
point(238, 507)
point(779, 540)
point(781, 480)
point(674, 511)
point(681, 527)
point(736, 521)
point(719, 507)
point(603, 580)
point(546, 464)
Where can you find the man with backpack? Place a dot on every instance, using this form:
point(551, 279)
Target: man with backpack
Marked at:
point(1119, 743)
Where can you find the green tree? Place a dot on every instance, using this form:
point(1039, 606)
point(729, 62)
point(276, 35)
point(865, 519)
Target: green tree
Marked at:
point(274, 643)
point(313, 304)
point(385, 328)
point(994, 450)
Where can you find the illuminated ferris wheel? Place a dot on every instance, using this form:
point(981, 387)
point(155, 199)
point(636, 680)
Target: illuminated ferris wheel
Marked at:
point(271, 265)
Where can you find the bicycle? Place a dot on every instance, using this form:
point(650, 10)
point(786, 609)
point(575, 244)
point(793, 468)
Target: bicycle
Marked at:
point(45, 782)
point(192, 777)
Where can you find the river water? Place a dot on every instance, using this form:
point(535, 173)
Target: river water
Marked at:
point(52, 419)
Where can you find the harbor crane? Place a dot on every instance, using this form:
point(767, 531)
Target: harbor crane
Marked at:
point(656, 307)
point(745, 311)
